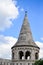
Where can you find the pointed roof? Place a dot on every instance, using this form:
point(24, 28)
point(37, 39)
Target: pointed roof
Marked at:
point(25, 37)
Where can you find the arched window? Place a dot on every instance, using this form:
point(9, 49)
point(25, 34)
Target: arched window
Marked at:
point(27, 55)
point(12, 55)
point(36, 55)
point(21, 55)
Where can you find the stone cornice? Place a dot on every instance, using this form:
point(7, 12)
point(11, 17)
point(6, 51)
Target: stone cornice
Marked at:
point(25, 46)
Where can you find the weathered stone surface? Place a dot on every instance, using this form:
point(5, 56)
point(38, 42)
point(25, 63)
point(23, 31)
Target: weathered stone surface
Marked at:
point(25, 37)
point(25, 44)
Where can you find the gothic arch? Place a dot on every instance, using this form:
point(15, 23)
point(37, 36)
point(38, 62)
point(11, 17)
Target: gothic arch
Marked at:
point(27, 55)
point(21, 54)
point(36, 55)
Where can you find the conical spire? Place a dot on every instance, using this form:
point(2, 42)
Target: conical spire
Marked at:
point(25, 37)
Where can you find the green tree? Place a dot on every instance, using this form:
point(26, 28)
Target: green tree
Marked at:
point(39, 62)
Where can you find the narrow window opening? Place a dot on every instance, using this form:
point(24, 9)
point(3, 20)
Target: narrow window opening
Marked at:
point(21, 55)
point(27, 55)
point(36, 55)
point(12, 55)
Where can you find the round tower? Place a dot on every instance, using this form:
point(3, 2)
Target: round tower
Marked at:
point(25, 51)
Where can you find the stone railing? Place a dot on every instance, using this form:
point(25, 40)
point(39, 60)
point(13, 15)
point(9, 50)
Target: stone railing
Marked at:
point(7, 63)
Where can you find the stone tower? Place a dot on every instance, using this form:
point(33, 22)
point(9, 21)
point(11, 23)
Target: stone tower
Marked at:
point(25, 51)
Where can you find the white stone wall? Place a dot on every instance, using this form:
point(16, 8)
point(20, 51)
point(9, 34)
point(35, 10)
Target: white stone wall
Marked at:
point(16, 63)
point(32, 50)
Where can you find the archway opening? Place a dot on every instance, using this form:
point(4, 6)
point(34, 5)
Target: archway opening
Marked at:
point(36, 55)
point(21, 55)
point(27, 55)
point(12, 55)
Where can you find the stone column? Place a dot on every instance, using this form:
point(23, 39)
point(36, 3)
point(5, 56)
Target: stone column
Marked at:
point(33, 55)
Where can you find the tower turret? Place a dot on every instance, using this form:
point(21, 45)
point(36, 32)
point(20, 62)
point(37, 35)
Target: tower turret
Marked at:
point(25, 36)
point(25, 51)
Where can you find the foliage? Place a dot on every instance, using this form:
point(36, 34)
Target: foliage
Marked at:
point(39, 62)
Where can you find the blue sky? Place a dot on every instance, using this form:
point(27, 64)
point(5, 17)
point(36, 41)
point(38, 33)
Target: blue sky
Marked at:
point(11, 19)
point(35, 17)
